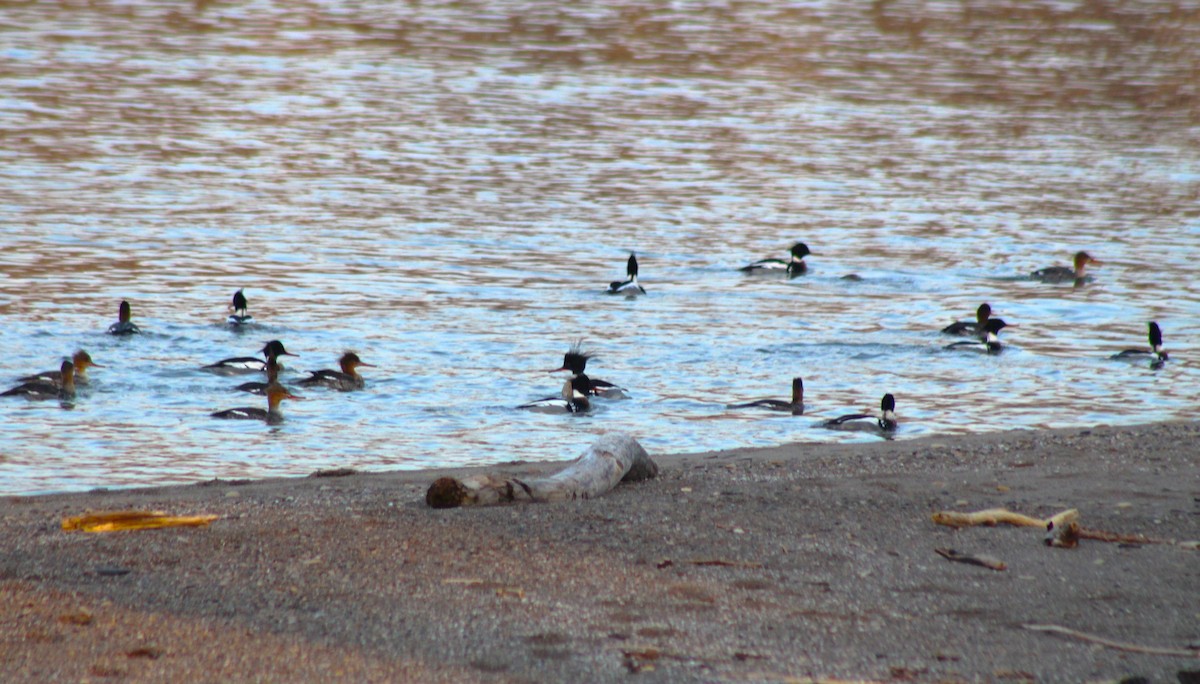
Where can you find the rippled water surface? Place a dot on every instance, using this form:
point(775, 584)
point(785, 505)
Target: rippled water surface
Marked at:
point(447, 188)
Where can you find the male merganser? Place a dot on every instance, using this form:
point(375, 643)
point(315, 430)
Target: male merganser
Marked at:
point(272, 414)
point(80, 359)
point(1062, 274)
point(884, 422)
point(630, 287)
point(249, 364)
point(345, 380)
point(574, 398)
point(238, 306)
point(989, 338)
point(795, 406)
point(794, 267)
point(970, 328)
point(1156, 353)
point(575, 361)
point(39, 389)
point(123, 326)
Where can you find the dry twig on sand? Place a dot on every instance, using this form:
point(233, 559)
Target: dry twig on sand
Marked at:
point(612, 459)
point(1062, 529)
point(1118, 645)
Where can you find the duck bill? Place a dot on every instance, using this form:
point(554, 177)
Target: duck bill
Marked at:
point(555, 370)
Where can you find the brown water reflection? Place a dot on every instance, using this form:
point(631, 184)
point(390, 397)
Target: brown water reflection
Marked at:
point(447, 186)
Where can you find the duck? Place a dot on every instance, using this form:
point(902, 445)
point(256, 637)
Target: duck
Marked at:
point(794, 266)
point(345, 380)
point(970, 328)
point(988, 341)
point(239, 316)
point(40, 389)
point(80, 359)
point(1062, 274)
point(575, 361)
point(124, 326)
point(1157, 354)
point(885, 422)
point(630, 286)
point(574, 398)
point(795, 406)
point(260, 388)
point(249, 364)
point(276, 393)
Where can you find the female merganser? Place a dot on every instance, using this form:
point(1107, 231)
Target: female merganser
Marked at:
point(1156, 353)
point(238, 306)
point(1062, 274)
point(989, 339)
point(884, 422)
point(630, 287)
point(260, 388)
point(38, 389)
point(794, 267)
point(970, 328)
point(123, 326)
point(80, 359)
point(575, 361)
point(272, 414)
point(249, 364)
point(574, 398)
point(345, 380)
point(795, 406)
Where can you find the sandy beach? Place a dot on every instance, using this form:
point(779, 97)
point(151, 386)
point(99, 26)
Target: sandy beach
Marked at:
point(789, 564)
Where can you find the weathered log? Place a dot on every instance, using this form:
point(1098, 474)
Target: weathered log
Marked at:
point(610, 460)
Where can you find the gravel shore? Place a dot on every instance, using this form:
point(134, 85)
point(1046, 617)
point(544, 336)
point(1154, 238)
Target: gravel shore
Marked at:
point(805, 561)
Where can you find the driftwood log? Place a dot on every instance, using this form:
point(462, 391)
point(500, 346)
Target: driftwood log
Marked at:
point(610, 460)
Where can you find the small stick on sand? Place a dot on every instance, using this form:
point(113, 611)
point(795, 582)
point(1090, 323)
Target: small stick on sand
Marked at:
point(612, 459)
point(1062, 529)
point(1119, 645)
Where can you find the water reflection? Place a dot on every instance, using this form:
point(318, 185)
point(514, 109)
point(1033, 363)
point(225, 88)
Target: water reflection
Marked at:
point(449, 188)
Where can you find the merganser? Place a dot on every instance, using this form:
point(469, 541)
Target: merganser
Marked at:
point(988, 341)
point(249, 364)
point(238, 306)
point(795, 406)
point(574, 398)
point(260, 388)
point(630, 287)
point(46, 390)
point(794, 267)
point(123, 326)
point(1156, 353)
point(1062, 274)
point(970, 328)
point(272, 414)
point(345, 380)
point(80, 359)
point(884, 422)
point(575, 361)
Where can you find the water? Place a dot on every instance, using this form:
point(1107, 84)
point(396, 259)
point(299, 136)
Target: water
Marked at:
point(447, 188)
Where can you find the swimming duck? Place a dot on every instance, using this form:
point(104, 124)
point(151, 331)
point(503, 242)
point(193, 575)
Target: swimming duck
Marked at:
point(345, 380)
point(273, 415)
point(239, 316)
point(575, 361)
point(39, 389)
point(80, 359)
point(1062, 274)
point(988, 341)
point(1156, 353)
point(574, 398)
point(629, 287)
point(794, 267)
point(260, 388)
point(970, 328)
point(795, 406)
point(884, 422)
point(249, 364)
point(123, 326)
